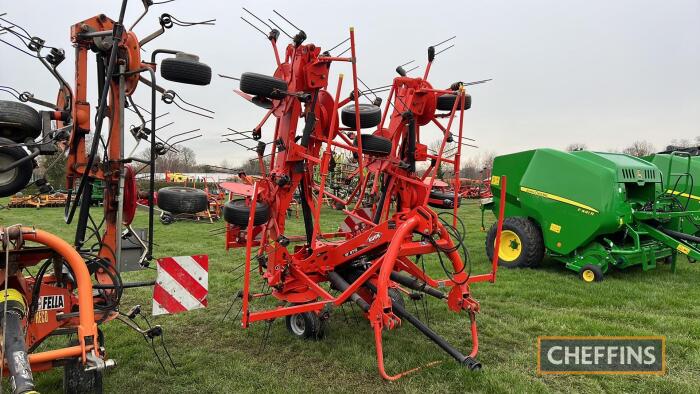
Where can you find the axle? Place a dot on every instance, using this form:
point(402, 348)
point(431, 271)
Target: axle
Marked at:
point(401, 312)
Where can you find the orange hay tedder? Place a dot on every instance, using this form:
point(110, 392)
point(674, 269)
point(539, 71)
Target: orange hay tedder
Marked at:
point(77, 287)
point(368, 261)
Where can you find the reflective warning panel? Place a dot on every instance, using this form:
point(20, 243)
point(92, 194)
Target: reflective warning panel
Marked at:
point(182, 284)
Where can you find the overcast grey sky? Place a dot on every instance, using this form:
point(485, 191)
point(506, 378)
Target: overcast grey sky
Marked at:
point(600, 72)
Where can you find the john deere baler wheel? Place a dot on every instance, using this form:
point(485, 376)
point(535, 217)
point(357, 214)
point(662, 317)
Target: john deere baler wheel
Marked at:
point(521, 243)
point(591, 273)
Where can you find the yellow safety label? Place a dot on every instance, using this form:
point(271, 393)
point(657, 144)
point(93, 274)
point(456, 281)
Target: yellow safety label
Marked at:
point(496, 180)
point(683, 249)
point(555, 228)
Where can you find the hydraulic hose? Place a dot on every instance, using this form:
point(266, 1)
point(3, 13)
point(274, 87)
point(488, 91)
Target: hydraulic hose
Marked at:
point(680, 235)
point(14, 348)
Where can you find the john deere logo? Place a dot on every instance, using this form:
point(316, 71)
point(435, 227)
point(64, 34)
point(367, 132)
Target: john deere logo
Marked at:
point(639, 174)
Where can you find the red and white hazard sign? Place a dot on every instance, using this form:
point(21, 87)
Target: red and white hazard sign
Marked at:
point(182, 284)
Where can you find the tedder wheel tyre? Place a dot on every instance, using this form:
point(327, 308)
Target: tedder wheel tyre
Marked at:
point(16, 179)
point(166, 218)
point(237, 212)
point(447, 200)
point(370, 116)
point(263, 86)
point(306, 325)
point(18, 121)
point(185, 68)
point(521, 243)
point(375, 145)
point(78, 381)
point(591, 273)
point(447, 101)
point(178, 199)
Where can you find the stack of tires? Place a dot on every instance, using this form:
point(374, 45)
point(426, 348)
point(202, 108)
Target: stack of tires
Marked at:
point(177, 200)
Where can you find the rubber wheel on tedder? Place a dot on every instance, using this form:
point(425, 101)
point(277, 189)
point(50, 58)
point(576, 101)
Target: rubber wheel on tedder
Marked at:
point(263, 86)
point(178, 199)
point(521, 243)
point(306, 325)
point(185, 68)
point(236, 212)
point(447, 101)
point(18, 121)
point(16, 179)
point(375, 145)
point(370, 116)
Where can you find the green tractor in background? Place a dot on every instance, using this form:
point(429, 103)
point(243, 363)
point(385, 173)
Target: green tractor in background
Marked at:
point(592, 211)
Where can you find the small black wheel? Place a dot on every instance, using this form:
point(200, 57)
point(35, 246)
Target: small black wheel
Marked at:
point(521, 243)
point(370, 116)
point(263, 85)
point(237, 213)
point(591, 273)
point(375, 145)
point(185, 68)
point(18, 121)
point(178, 199)
point(447, 101)
point(16, 179)
point(78, 381)
point(306, 325)
point(166, 218)
point(438, 199)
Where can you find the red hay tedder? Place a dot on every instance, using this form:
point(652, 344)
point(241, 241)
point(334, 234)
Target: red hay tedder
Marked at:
point(369, 257)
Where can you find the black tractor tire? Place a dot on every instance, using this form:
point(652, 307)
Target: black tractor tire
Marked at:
point(185, 68)
point(306, 325)
point(18, 178)
point(263, 85)
point(591, 273)
point(237, 213)
point(447, 101)
point(530, 239)
point(178, 199)
point(447, 200)
point(375, 145)
point(78, 381)
point(18, 121)
point(370, 116)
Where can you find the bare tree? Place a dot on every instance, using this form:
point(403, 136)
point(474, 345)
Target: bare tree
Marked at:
point(639, 148)
point(434, 149)
point(576, 146)
point(188, 159)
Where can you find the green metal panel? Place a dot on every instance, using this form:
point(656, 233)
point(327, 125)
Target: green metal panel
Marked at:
point(596, 208)
point(681, 176)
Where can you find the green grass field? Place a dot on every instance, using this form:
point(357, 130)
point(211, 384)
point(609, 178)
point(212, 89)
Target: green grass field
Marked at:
point(213, 355)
